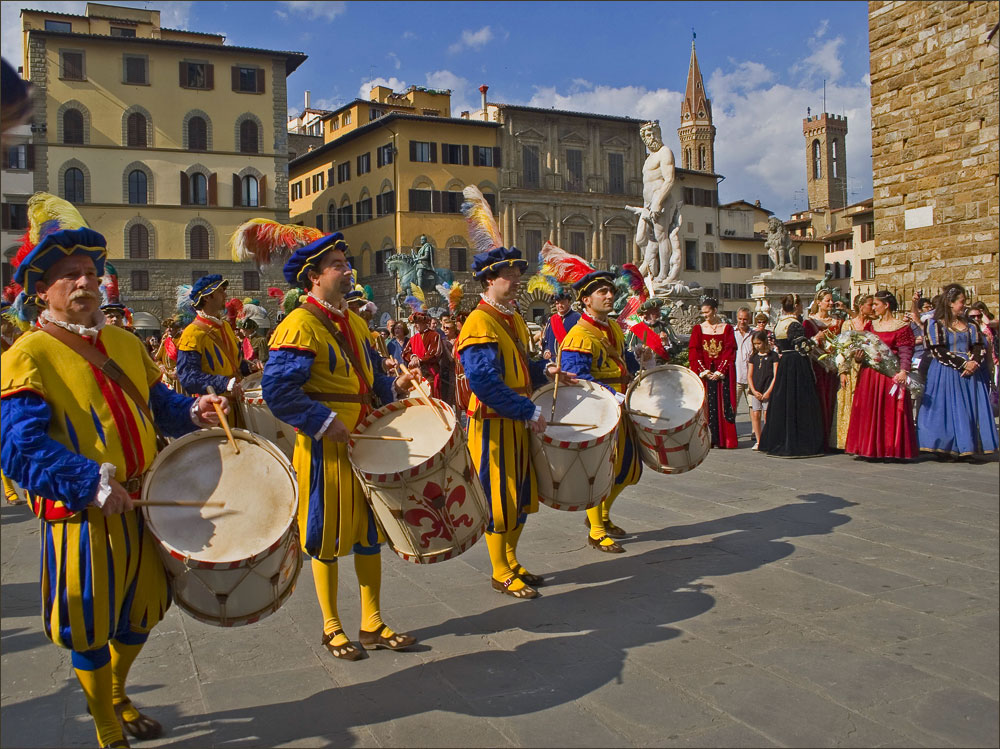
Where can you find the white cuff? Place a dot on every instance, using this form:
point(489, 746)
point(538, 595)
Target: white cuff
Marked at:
point(620, 397)
point(326, 425)
point(108, 471)
point(231, 384)
point(195, 417)
point(537, 414)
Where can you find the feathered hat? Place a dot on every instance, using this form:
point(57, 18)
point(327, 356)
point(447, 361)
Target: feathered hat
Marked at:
point(55, 230)
point(205, 286)
point(572, 269)
point(491, 255)
point(264, 242)
point(453, 292)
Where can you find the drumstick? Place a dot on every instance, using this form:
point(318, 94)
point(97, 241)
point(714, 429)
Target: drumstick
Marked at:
point(649, 416)
point(225, 424)
point(571, 424)
point(379, 437)
point(425, 396)
point(555, 391)
point(175, 503)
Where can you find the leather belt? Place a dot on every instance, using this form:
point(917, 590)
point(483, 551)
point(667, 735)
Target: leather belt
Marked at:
point(362, 398)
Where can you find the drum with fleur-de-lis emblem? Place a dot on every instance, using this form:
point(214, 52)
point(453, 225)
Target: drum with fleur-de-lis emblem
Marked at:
point(423, 489)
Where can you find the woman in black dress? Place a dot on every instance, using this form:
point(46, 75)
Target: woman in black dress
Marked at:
point(794, 426)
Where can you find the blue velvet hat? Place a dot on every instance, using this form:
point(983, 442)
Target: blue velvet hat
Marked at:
point(355, 295)
point(54, 247)
point(308, 257)
point(205, 286)
point(113, 307)
point(591, 281)
point(496, 259)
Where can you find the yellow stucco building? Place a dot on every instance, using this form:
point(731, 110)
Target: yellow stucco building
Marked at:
point(167, 140)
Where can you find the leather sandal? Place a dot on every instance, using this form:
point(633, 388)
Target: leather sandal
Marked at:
point(117, 744)
point(142, 728)
point(610, 528)
point(613, 548)
point(504, 587)
point(528, 579)
point(348, 651)
point(375, 640)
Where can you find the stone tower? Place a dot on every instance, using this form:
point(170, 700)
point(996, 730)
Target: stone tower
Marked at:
point(826, 160)
point(696, 133)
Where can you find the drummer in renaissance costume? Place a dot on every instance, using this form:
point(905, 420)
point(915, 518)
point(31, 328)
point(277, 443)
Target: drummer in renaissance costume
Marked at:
point(323, 377)
point(79, 403)
point(492, 346)
point(562, 320)
point(424, 350)
point(595, 350)
point(208, 354)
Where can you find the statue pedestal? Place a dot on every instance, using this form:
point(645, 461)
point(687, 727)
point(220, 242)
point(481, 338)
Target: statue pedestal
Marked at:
point(770, 286)
point(682, 300)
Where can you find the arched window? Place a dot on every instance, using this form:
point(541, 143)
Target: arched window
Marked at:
point(687, 158)
point(199, 189)
point(136, 131)
point(199, 243)
point(137, 188)
point(197, 134)
point(702, 158)
point(833, 158)
point(74, 185)
point(248, 137)
point(138, 242)
point(73, 127)
point(817, 160)
point(250, 187)
point(847, 269)
point(836, 270)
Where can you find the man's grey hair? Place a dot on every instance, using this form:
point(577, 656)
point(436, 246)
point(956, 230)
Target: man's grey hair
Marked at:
point(746, 309)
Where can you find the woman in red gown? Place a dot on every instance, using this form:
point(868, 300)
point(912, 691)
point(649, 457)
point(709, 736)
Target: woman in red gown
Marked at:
point(819, 325)
point(712, 356)
point(882, 414)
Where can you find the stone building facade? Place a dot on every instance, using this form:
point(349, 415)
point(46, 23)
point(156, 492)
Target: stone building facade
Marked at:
point(17, 186)
point(935, 92)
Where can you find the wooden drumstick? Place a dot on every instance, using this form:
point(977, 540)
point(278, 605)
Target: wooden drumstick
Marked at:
point(225, 424)
point(649, 416)
point(555, 391)
point(425, 396)
point(175, 503)
point(380, 437)
point(571, 424)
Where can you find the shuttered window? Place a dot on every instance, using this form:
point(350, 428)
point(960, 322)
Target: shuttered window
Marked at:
point(73, 127)
point(138, 242)
point(136, 131)
point(199, 243)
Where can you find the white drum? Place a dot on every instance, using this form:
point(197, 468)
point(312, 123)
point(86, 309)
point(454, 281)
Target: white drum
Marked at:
point(228, 565)
point(666, 404)
point(424, 492)
point(575, 466)
point(259, 419)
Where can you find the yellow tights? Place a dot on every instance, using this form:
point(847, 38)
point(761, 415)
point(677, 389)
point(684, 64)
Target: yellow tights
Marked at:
point(369, 570)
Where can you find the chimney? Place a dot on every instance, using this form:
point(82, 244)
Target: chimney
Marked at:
point(483, 89)
point(307, 100)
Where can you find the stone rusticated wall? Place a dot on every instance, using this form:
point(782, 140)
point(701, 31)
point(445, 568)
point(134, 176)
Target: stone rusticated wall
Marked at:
point(934, 92)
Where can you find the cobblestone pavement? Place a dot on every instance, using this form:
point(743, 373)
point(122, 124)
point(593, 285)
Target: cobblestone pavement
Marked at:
point(761, 601)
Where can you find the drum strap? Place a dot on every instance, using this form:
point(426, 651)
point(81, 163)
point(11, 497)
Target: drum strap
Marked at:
point(219, 337)
point(518, 346)
point(339, 338)
point(363, 398)
point(624, 378)
point(108, 366)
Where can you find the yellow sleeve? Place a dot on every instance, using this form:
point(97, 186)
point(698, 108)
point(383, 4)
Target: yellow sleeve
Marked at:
point(577, 340)
point(189, 340)
point(295, 332)
point(478, 328)
point(20, 373)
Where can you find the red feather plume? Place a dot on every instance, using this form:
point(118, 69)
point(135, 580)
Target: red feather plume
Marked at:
point(10, 291)
point(565, 266)
point(274, 292)
point(635, 281)
point(233, 307)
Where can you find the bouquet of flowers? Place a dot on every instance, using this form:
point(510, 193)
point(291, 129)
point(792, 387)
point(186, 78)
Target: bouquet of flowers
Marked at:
point(877, 355)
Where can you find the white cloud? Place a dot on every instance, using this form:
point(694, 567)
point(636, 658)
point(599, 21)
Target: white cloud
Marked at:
point(824, 61)
point(395, 60)
point(392, 82)
point(310, 9)
point(409, 35)
point(625, 101)
point(472, 39)
point(823, 26)
point(462, 91)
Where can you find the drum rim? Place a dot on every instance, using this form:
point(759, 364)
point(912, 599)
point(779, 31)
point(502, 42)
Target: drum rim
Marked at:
point(565, 444)
point(643, 375)
point(193, 561)
point(414, 471)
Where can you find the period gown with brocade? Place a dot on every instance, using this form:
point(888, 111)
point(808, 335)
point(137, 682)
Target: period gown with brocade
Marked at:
point(827, 382)
point(717, 353)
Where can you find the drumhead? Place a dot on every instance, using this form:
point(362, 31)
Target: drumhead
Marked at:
point(583, 403)
point(258, 488)
point(676, 394)
point(416, 420)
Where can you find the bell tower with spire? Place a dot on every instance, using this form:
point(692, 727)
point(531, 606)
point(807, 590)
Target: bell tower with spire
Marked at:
point(696, 133)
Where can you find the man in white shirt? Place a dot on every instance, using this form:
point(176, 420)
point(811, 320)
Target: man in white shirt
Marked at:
point(744, 348)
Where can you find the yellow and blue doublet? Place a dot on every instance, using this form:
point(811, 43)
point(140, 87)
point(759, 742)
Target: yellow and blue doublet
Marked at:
point(207, 355)
point(492, 348)
point(308, 369)
point(596, 351)
point(101, 577)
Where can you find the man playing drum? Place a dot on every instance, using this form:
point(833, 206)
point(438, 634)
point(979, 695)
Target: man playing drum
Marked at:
point(79, 436)
point(322, 377)
point(594, 349)
point(208, 354)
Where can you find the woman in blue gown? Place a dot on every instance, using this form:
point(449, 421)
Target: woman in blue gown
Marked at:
point(955, 417)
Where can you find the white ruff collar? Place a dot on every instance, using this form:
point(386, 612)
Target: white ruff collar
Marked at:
point(327, 306)
point(206, 316)
point(93, 332)
point(499, 306)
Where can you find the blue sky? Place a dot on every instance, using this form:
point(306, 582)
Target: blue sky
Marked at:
point(763, 63)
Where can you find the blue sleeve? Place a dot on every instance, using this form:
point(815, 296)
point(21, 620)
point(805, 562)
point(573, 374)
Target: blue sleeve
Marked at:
point(171, 410)
point(631, 362)
point(383, 385)
point(578, 363)
point(284, 375)
point(536, 368)
point(549, 339)
point(482, 371)
point(245, 369)
point(39, 463)
point(193, 379)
